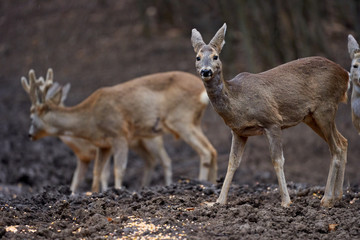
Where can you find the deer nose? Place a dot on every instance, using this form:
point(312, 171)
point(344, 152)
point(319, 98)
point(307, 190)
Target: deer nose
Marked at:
point(206, 72)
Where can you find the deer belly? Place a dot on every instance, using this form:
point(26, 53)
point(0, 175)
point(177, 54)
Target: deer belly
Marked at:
point(150, 128)
point(250, 131)
point(245, 128)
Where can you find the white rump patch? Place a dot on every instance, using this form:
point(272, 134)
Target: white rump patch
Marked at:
point(349, 81)
point(204, 98)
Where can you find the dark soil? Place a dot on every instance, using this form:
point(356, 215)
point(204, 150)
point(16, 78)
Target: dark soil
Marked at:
point(101, 43)
point(180, 211)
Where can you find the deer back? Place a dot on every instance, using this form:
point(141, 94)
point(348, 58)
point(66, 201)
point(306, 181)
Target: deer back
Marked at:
point(284, 95)
point(141, 107)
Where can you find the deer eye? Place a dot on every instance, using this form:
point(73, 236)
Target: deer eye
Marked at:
point(355, 66)
point(215, 57)
point(197, 58)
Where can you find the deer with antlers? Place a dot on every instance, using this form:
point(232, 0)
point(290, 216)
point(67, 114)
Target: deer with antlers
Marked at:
point(354, 52)
point(134, 114)
point(305, 90)
point(151, 149)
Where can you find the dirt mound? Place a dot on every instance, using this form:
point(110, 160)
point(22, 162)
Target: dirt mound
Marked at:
point(181, 211)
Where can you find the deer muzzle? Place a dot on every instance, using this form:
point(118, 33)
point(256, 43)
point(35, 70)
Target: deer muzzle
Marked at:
point(31, 133)
point(206, 73)
point(31, 137)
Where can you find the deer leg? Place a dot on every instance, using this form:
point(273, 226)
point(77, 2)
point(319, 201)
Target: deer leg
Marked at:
point(338, 149)
point(236, 153)
point(156, 148)
point(339, 182)
point(120, 160)
point(102, 155)
point(193, 136)
point(149, 159)
point(105, 174)
point(310, 121)
point(334, 184)
point(79, 174)
point(165, 162)
point(150, 164)
point(208, 155)
point(276, 151)
point(212, 175)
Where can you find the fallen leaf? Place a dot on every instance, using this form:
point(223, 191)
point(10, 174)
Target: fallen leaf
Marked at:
point(209, 204)
point(354, 200)
point(332, 227)
point(11, 229)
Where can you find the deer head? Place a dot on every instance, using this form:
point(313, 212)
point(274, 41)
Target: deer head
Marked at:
point(354, 52)
point(43, 94)
point(208, 63)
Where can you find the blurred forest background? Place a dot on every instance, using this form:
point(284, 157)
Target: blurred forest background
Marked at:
point(104, 42)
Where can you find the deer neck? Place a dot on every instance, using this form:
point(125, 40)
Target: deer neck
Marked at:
point(70, 122)
point(355, 91)
point(217, 89)
point(355, 96)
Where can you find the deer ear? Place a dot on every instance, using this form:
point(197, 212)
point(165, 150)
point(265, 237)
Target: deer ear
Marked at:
point(352, 46)
point(65, 91)
point(56, 98)
point(218, 40)
point(54, 94)
point(196, 40)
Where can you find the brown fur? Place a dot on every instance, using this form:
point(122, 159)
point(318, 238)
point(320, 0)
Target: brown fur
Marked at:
point(112, 118)
point(305, 90)
point(354, 52)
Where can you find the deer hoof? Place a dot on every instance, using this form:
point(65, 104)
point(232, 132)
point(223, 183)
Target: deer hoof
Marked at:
point(286, 204)
point(327, 202)
point(221, 200)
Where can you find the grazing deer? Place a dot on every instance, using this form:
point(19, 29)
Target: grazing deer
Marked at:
point(306, 90)
point(116, 118)
point(149, 149)
point(354, 52)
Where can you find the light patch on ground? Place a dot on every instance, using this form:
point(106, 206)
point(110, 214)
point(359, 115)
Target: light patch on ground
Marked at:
point(137, 227)
point(24, 229)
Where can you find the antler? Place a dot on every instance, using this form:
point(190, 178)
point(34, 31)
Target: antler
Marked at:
point(31, 86)
point(45, 85)
point(44, 90)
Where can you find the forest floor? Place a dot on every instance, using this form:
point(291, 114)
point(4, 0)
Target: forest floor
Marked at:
point(183, 210)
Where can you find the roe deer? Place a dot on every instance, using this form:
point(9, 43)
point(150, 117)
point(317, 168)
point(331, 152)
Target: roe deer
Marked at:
point(306, 90)
point(113, 117)
point(354, 52)
point(150, 149)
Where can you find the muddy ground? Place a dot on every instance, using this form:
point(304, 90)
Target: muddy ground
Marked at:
point(100, 44)
point(180, 211)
